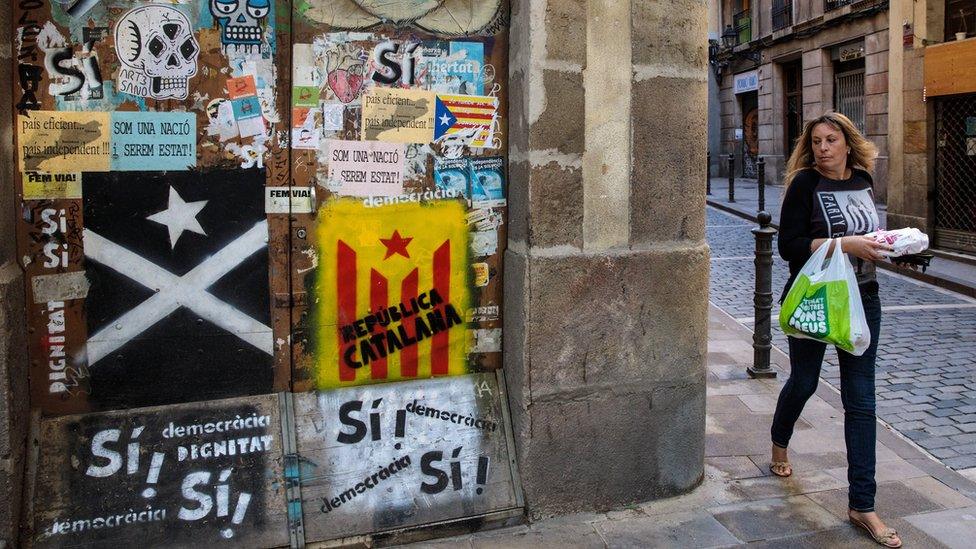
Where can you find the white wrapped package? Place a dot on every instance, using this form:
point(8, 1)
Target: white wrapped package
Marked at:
point(903, 241)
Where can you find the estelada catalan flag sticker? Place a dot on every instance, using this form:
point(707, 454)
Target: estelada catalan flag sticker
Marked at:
point(471, 117)
point(391, 292)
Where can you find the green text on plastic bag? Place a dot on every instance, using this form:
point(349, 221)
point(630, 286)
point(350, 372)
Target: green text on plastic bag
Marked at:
point(818, 311)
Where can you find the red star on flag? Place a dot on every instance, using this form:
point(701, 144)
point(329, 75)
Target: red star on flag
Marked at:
point(396, 244)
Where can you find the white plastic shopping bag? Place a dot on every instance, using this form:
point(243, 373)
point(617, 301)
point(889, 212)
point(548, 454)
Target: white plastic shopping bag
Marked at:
point(824, 303)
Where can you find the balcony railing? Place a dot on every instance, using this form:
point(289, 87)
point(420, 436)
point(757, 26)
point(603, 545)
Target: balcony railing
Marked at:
point(834, 4)
point(743, 27)
point(782, 14)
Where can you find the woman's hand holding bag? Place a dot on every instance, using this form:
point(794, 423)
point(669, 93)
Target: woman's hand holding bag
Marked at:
point(824, 303)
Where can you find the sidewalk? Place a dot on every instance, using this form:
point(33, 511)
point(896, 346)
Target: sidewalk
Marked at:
point(739, 502)
point(945, 271)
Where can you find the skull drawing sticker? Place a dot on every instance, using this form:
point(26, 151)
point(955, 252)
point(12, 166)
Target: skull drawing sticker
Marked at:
point(158, 52)
point(240, 22)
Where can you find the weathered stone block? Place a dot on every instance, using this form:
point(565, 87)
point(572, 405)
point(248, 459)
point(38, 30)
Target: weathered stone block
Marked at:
point(876, 83)
point(876, 63)
point(667, 181)
point(812, 76)
point(572, 461)
point(615, 319)
point(519, 173)
point(881, 141)
point(555, 199)
point(875, 123)
point(566, 31)
point(518, 110)
point(876, 42)
point(916, 137)
point(876, 104)
point(605, 358)
point(915, 109)
point(812, 58)
point(560, 126)
point(669, 33)
point(913, 70)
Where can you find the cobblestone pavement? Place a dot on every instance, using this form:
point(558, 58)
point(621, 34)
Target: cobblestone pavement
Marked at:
point(926, 375)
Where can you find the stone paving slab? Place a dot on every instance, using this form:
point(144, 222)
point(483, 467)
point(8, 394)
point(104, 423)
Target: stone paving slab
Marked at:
point(952, 528)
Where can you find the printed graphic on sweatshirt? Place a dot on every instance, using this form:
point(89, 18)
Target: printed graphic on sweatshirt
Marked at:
point(849, 212)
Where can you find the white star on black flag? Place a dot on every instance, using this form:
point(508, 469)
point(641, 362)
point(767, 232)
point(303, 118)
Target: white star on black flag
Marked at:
point(179, 307)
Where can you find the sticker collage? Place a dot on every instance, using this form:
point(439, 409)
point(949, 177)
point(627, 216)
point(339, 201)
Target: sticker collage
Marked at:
point(263, 247)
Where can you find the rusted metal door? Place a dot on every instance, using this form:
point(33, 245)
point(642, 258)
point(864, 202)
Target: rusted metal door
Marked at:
point(399, 125)
point(226, 202)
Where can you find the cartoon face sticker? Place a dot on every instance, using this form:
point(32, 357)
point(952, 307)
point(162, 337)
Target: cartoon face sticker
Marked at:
point(158, 51)
point(240, 22)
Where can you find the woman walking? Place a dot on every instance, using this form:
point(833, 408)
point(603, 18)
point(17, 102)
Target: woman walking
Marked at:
point(829, 196)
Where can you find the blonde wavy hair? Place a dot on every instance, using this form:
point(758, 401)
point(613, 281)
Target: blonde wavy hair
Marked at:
point(863, 152)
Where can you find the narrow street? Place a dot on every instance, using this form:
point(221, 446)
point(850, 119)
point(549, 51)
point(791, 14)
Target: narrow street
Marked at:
point(926, 386)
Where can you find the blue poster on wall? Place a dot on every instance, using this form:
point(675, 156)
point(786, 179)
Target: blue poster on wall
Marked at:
point(153, 141)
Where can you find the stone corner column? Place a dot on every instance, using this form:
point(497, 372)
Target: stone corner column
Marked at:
point(606, 273)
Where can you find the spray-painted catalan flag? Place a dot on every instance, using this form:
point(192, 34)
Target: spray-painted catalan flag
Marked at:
point(392, 292)
point(468, 117)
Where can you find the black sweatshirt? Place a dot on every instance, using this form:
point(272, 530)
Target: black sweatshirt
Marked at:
point(819, 207)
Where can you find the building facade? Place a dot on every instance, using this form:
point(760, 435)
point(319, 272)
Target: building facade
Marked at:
point(933, 121)
point(780, 63)
point(257, 259)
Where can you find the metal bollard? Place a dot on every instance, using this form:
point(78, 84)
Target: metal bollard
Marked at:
point(708, 172)
point(763, 299)
point(761, 173)
point(731, 177)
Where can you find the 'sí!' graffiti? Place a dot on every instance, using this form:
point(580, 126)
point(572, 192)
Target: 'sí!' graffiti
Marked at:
point(359, 428)
point(441, 479)
point(241, 22)
point(72, 76)
point(392, 65)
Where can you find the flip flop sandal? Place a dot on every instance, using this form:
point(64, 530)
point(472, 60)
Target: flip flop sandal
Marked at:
point(886, 537)
point(781, 466)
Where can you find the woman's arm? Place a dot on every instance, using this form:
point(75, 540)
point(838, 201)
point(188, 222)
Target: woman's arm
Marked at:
point(861, 246)
point(794, 220)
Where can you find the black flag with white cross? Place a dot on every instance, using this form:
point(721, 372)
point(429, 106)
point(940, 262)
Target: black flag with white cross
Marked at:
point(179, 305)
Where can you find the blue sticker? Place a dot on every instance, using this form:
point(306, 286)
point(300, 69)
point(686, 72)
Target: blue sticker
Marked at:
point(153, 141)
point(971, 125)
point(246, 107)
point(455, 67)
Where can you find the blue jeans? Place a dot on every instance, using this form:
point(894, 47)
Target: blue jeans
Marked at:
point(857, 394)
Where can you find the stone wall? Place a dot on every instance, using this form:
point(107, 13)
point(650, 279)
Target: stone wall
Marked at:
point(607, 266)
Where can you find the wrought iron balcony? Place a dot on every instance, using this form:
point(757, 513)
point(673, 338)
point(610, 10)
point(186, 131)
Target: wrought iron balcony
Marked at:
point(834, 4)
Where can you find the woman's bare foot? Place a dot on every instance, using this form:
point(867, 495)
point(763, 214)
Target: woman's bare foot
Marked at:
point(873, 524)
point(780, 464)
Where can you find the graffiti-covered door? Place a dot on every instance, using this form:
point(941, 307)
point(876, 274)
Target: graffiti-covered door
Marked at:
point(149, 137)
point(223, 202)
point(399, 125)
